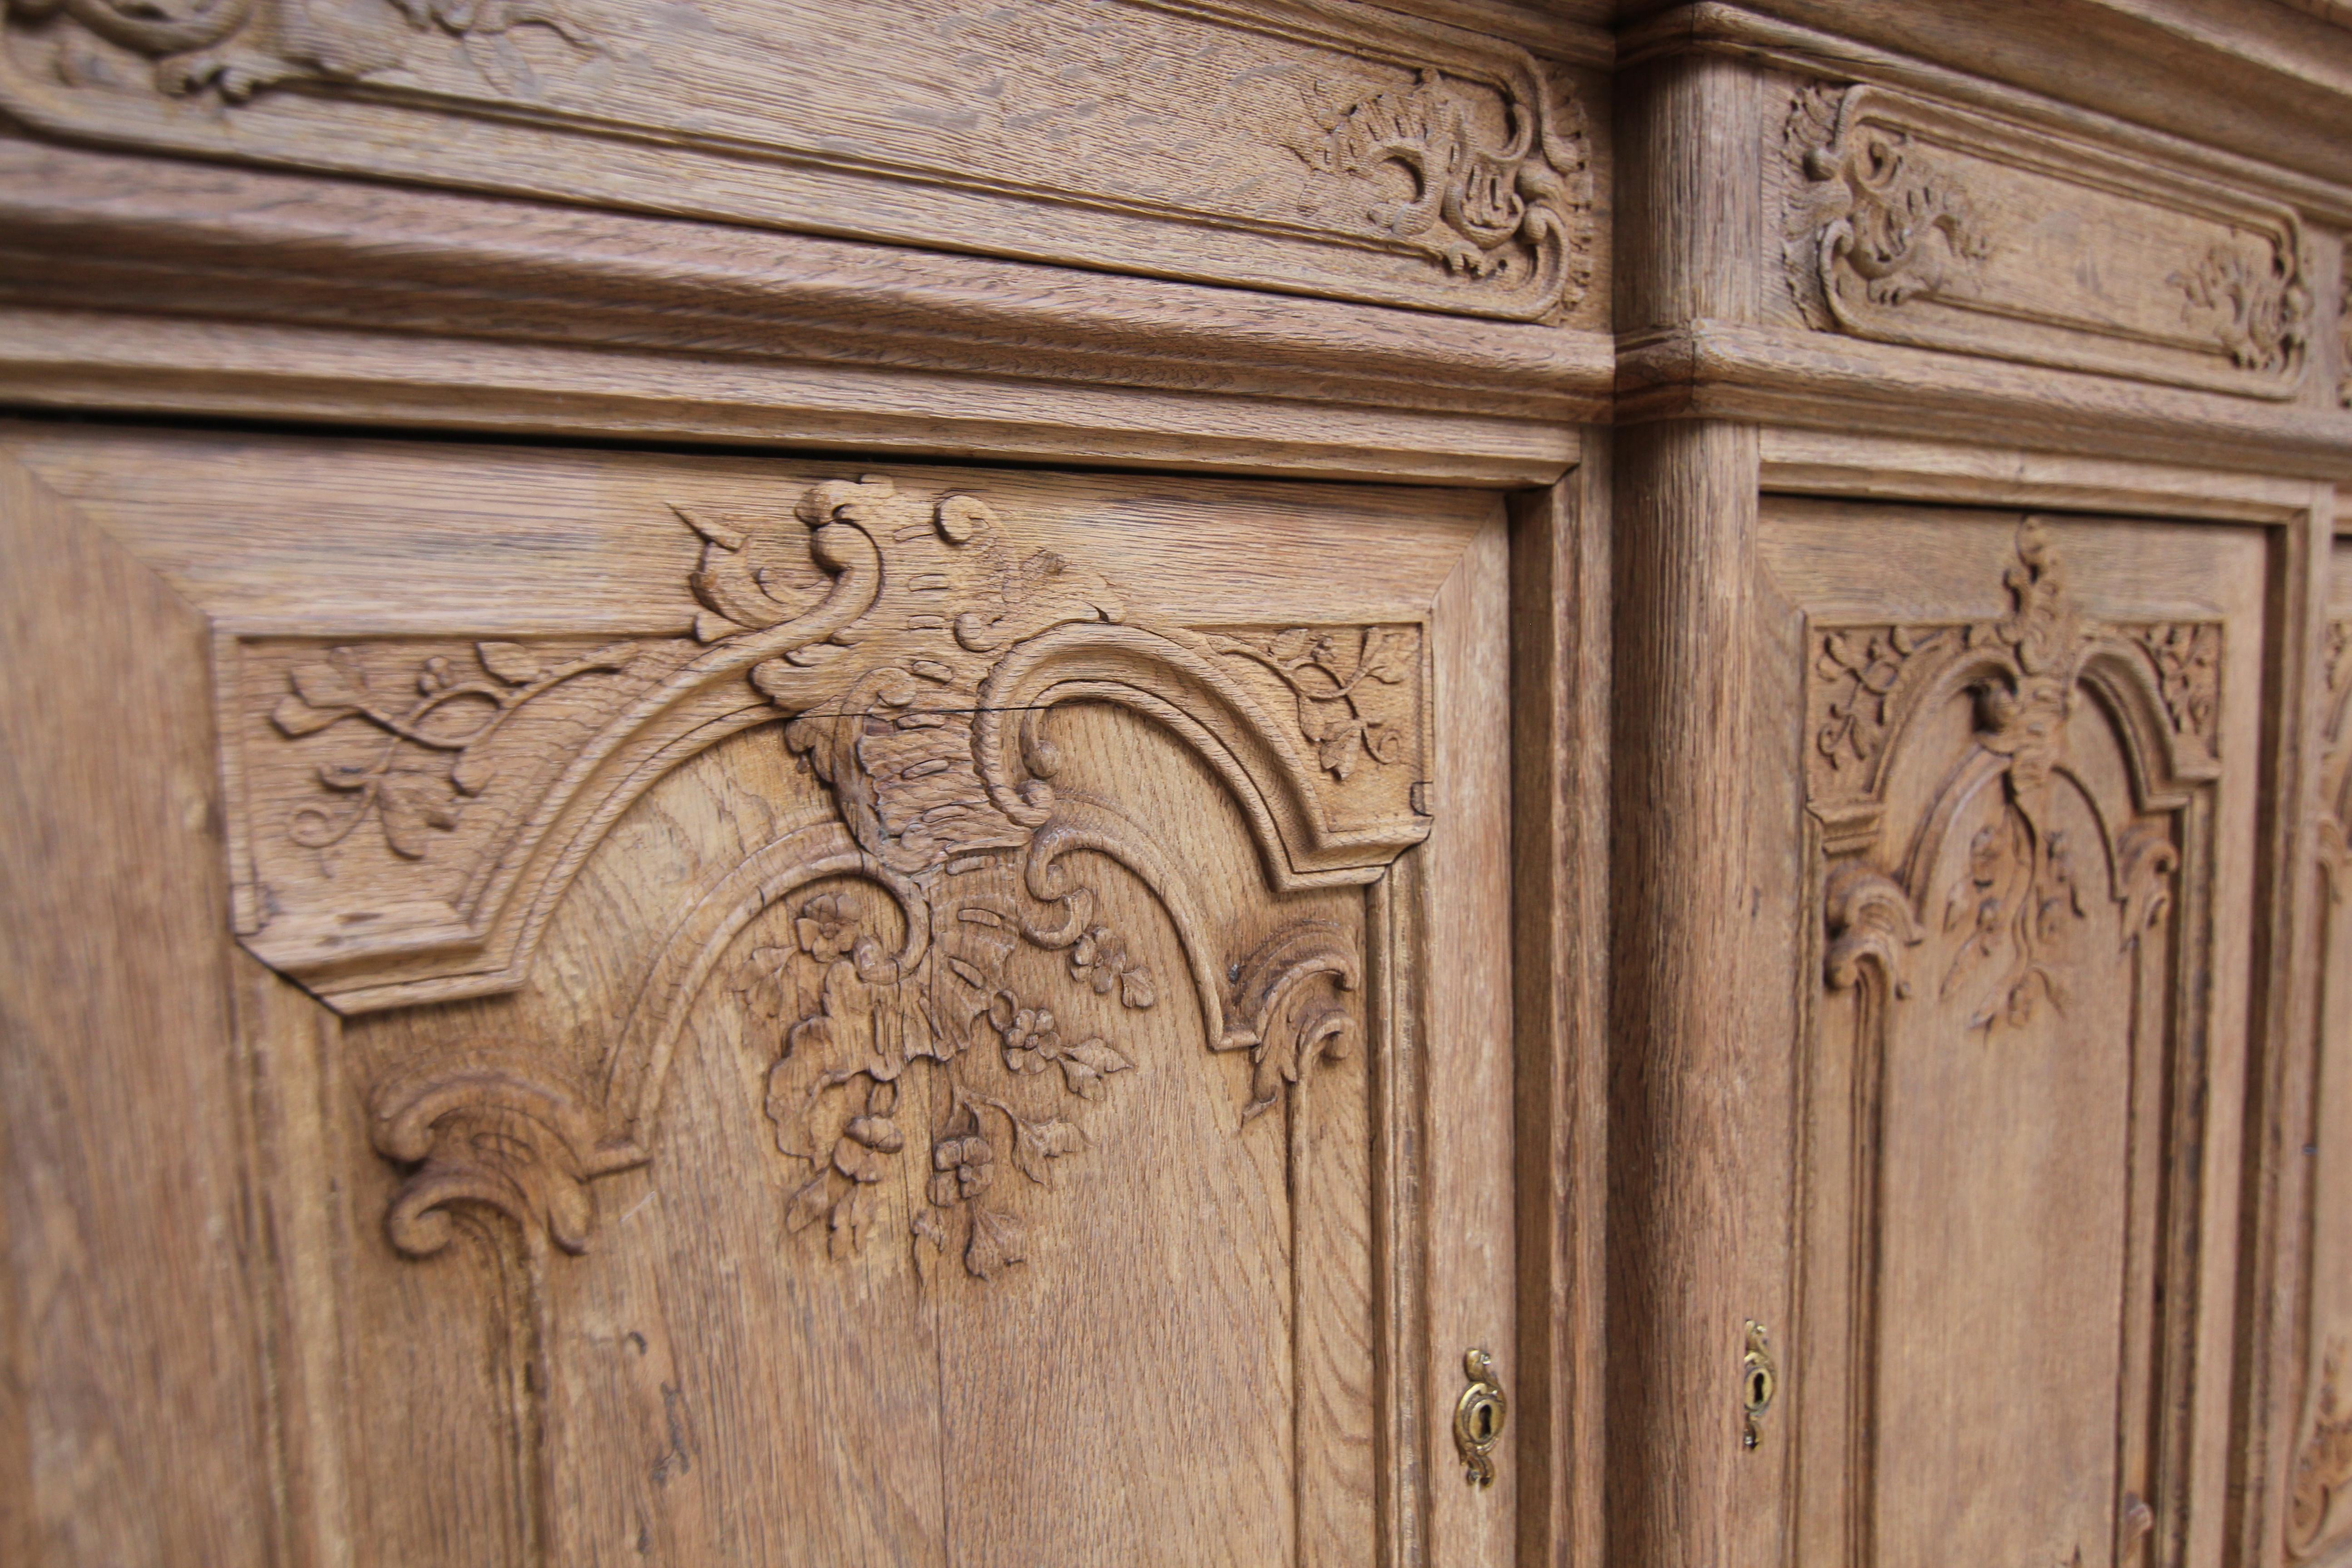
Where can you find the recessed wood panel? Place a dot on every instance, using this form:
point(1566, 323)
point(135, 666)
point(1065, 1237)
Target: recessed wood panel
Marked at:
point(2029, 753)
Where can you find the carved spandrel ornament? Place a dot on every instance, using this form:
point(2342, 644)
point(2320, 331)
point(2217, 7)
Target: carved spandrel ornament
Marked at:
point(1914, 223)
point(1309, 145)
point(915, 658)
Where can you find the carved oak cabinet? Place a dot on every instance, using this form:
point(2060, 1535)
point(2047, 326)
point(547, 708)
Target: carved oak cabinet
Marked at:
point(1176, 782)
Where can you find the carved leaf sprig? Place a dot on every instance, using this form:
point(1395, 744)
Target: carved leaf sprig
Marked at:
point(429, 761)
point(2322, 1466)
point(1861, 667)
point(2188, 659)
point(1325, 672)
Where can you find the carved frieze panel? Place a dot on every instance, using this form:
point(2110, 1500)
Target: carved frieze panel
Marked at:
point(1319, 146)
point(1907, 222)
point(2012, 817)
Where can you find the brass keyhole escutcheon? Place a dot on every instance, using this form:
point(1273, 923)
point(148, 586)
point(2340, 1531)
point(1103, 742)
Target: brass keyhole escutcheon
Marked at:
point(1478, 1419)
point(1759, 1379)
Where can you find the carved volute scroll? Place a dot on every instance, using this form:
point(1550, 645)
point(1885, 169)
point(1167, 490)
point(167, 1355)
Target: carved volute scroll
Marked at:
point(2004, 808)
point(914, 656)
point(1910, 221)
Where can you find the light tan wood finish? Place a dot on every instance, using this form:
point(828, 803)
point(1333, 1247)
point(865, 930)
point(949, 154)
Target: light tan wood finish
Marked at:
point(937, 1197)
point(545, 821)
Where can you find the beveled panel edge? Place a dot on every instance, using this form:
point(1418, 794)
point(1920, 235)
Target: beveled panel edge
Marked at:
point(1851, 466)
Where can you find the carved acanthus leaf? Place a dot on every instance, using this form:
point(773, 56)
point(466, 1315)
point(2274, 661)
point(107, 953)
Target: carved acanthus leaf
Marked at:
point(1870, 922)
point(1873, 215)
point(1515, 213)
point(493, 1132)
point(237, 49)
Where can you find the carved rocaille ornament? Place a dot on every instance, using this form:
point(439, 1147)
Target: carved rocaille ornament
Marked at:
point(1517, 212)
point(1912, 222)
point(916, 657)
point(2017, 911)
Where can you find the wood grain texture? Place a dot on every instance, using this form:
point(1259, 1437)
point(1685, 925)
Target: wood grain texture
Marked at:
point(1561, 593)
point(137, 1397)
point(999, 1199)
point(1251, 145)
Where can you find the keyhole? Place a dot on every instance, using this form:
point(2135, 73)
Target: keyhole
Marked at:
point(1760, 1389)
point(1483, 1423)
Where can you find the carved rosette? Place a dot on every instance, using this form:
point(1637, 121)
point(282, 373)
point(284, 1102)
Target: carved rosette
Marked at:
point(916, 657)
point(2017, 911)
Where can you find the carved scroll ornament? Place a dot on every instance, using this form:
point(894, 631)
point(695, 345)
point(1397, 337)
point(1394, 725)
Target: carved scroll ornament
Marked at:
point(917, 667)
point(1515, 212)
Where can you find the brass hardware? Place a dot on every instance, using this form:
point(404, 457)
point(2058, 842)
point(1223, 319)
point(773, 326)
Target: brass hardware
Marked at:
point(1478, 1419)
point(1759, 1379)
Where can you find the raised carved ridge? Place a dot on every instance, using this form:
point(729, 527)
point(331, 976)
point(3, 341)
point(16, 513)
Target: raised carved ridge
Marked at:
point(1916, 222)
point(916, 657)
point(2334, 835)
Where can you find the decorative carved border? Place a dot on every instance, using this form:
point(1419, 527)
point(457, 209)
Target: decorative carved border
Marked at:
point(1909, 222)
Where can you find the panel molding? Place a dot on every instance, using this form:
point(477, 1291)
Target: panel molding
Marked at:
point(2029, 675)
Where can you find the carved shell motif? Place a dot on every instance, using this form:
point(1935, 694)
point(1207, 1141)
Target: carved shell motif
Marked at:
point(915, 668)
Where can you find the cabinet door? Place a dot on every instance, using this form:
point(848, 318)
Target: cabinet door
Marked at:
point(2029, 747)
point(788, 1012)
point(2317, 1253)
